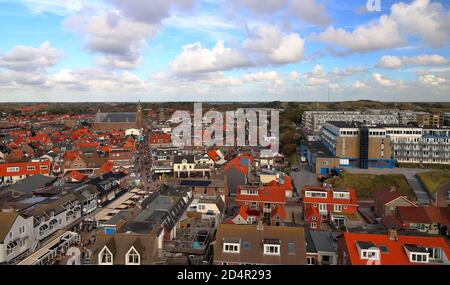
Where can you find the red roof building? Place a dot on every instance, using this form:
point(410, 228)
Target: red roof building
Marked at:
point(13, 172)
point(76, 176)
point(325, 204)
point(427, 219)
point(265, 199)
point(160, 139)
point(393, 248)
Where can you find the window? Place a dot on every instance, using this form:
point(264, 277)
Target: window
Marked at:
point(435, 253)
point(12, 169)
point(132, 257)
point(370, 254)
point(105, 257)
point(231, 247)
point(419, 257)
point(313, 225)
point(31, 168)
point(338, 208)
point(322, 207)
point(43, 167)
point(310, 261)
point(341, 195)
point(316, 194)
point(271, 249)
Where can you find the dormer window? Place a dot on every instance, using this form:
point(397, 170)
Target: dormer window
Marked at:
point(105, 257)
point(435, 253)
point(368, 250)
point(231, 245)
point(417, 254)
point(272, 246)
point(133, 257)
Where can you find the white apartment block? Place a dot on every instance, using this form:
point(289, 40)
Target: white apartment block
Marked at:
point(420, 145)
point(314, 120)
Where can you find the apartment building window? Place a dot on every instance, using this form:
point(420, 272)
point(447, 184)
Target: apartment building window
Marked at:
point(43, 167)
point(31, 168)
point(313, 225)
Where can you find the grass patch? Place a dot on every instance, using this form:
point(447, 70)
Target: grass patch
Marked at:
point(433, 180)
point(366, 184)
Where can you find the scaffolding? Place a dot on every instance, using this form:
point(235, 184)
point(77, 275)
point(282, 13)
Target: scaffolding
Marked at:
point(192, 244)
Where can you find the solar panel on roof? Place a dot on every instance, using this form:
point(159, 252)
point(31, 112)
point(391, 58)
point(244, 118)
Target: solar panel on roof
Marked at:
point(247, 245)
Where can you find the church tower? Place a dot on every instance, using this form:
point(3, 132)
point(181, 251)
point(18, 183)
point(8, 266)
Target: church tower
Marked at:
point(139, 118)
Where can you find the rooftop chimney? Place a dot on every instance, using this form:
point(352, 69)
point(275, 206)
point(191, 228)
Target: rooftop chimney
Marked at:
point(393, 234)
point(260, 226)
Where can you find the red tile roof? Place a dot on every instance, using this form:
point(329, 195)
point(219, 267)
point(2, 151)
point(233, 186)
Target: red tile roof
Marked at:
point(391, 222)
point(413, 215)
point(76, 175)
point(213, 155)
point(387, 195)
point(105, 168)
point(278, 211)
point(25, 168)
point(236, 163)
point(395, 254)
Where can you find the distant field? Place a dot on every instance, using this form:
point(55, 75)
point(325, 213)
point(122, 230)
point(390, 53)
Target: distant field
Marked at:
point(425, 166)
point(367, 184)
point(433, 180)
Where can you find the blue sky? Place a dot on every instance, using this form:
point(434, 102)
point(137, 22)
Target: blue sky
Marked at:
point(235, 50)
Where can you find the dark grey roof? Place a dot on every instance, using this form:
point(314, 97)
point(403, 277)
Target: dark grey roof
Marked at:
point(115, 117)
point(164, 210)
point(141, 227)
point(179, 158)
point(321, 241)
point(32, 183)
point(117, 217)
